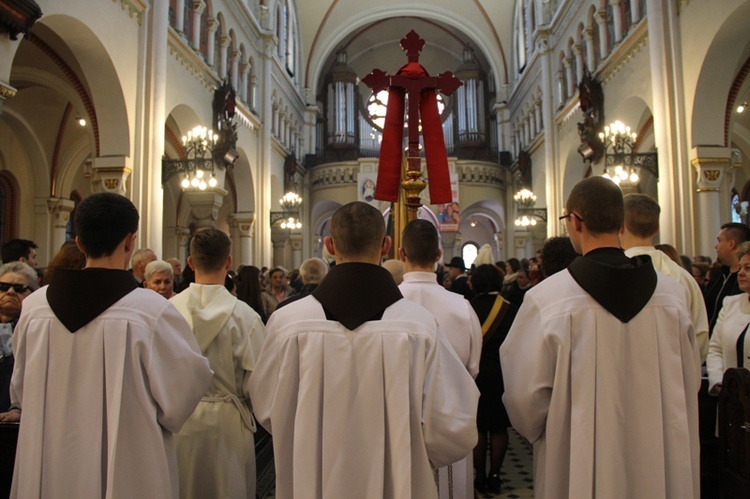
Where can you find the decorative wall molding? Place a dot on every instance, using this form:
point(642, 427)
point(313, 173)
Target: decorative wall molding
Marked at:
point(134, 8)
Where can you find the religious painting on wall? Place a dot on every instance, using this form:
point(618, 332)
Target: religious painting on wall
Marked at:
point(449, 214)
point(366, 183)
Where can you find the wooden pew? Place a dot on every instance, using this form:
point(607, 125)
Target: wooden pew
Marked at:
point(734, 433)
point(8, 439)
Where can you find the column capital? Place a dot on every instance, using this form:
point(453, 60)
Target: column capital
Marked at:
point(710, 171)
point(244, 222)
point(199, 6)
point(588, 33)
point(578, 49)
point(601, 17)
point(212, 24)
point(205, 205)
point(224, 41)
point(568, 62)
point(109, 174)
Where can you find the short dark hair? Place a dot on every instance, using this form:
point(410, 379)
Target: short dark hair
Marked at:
point(515, 264)
point(15, 249)
point(557, 254)
point(641, 215)
point(486, 278)
point(102, 221)
point(737, 232)
point(420, 242)
point(210, 249)
point(598, 202)
point(357, 229)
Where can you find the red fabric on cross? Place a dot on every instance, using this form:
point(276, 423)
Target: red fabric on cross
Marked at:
point(391, 152)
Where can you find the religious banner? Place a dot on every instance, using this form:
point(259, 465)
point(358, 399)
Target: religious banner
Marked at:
point(449, 214)
point(366, 183)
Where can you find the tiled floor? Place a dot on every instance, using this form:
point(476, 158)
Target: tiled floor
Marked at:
point(516, 473)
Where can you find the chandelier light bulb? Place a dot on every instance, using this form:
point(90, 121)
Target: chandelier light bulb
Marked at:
point(195, 182)
point(202, 185)
point(81, 121)
point(741, 107)
point(212, 182)
point(634, 178)
point(622, 174)
point(185, 183)
point(199, 173)
point(616, 179)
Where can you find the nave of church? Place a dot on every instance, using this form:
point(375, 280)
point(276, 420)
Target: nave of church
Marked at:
point(98, 96)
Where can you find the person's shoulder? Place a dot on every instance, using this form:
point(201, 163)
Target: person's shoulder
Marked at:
point(405, 309)
point(242, 309)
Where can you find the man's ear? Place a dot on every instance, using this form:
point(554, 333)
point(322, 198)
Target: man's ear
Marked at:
point(190, 263)
point(229, 263)
point(328, 243)
point(386, 246)
point(440, 255)
point(402, 254)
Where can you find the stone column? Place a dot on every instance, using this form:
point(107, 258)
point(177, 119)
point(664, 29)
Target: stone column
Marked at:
point(538, 115)
point(588, 37)
point(109, 174)
point(561, 90)
point(243, 224)
point(522, 240)
point(448, 240)
point(617, 19)
point(714, 179)
point(601, 21)
point(59, 210)
point(234, 72)
point(635, 10)
point(553, 184)
point(179, 16)
point(205, 205)
point(279, 238)
point(499, 243)
point(198, 8)
point(296, 241)
point(213, 25)
point(183, 238)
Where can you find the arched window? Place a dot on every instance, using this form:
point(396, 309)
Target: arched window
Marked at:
point(520, 36)
point(281, 30)
point(217, 49)
point(204, 33)
point(187, 29)
point(469, 253)
point(291, 42)
point(610, 28)
point(627, 16)
point(173, 13)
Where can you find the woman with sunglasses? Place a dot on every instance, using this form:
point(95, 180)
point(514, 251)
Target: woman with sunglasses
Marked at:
point(17, 281)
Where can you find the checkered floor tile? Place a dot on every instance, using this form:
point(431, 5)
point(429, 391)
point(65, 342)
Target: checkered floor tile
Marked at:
point(516, 473)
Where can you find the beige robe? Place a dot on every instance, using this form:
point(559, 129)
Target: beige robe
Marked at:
point(612, 406)
point(100, 405)
point(215, 448)
point(367, 413)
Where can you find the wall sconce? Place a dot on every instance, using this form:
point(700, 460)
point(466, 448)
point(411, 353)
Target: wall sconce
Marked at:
point(621, 163)
point(197, 169)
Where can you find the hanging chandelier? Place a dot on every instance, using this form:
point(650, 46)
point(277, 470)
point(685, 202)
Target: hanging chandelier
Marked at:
point(525, 207)
point(289, 214)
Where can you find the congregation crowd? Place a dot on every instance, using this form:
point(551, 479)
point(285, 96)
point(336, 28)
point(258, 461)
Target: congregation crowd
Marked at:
point(393, 378)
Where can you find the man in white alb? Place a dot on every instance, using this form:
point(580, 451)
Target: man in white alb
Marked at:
point(420, 251)
point(362, 392)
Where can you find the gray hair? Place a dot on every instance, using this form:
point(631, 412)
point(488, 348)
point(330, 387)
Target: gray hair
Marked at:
point(141, 255)
point(32, 279)
point(313, 270)
point(158, 266)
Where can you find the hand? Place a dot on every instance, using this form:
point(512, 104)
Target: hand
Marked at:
point(715, 390)
point(12, 416)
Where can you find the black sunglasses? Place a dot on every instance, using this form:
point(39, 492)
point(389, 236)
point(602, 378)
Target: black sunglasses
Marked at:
point(18, 288)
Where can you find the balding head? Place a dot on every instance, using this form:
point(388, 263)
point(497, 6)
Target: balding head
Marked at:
point(313, 270)
point(141, 258)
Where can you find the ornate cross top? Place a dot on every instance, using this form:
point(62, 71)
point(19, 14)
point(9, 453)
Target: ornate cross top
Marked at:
point(413, 81)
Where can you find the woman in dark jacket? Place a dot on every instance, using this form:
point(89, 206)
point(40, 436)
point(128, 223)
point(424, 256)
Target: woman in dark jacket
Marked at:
point(496, 316)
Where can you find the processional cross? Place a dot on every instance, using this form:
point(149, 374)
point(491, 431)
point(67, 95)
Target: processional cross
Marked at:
point(421, 89)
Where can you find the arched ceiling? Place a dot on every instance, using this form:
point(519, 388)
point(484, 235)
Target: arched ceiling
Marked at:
point(371, 34)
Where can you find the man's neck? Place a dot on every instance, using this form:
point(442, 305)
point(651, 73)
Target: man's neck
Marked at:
point(597, 241)
point(628, 240)
point(210, 277)
point(411, 267)
point(115, 261)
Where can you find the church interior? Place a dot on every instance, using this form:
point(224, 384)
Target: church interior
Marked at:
point(106, 96)
point(253, 116)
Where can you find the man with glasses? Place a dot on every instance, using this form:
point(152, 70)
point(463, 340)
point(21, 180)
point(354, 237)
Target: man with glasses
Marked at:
point(601, 367)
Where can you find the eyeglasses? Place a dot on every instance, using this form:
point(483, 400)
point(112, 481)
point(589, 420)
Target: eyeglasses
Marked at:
point(569, 215)
point(18, 288)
